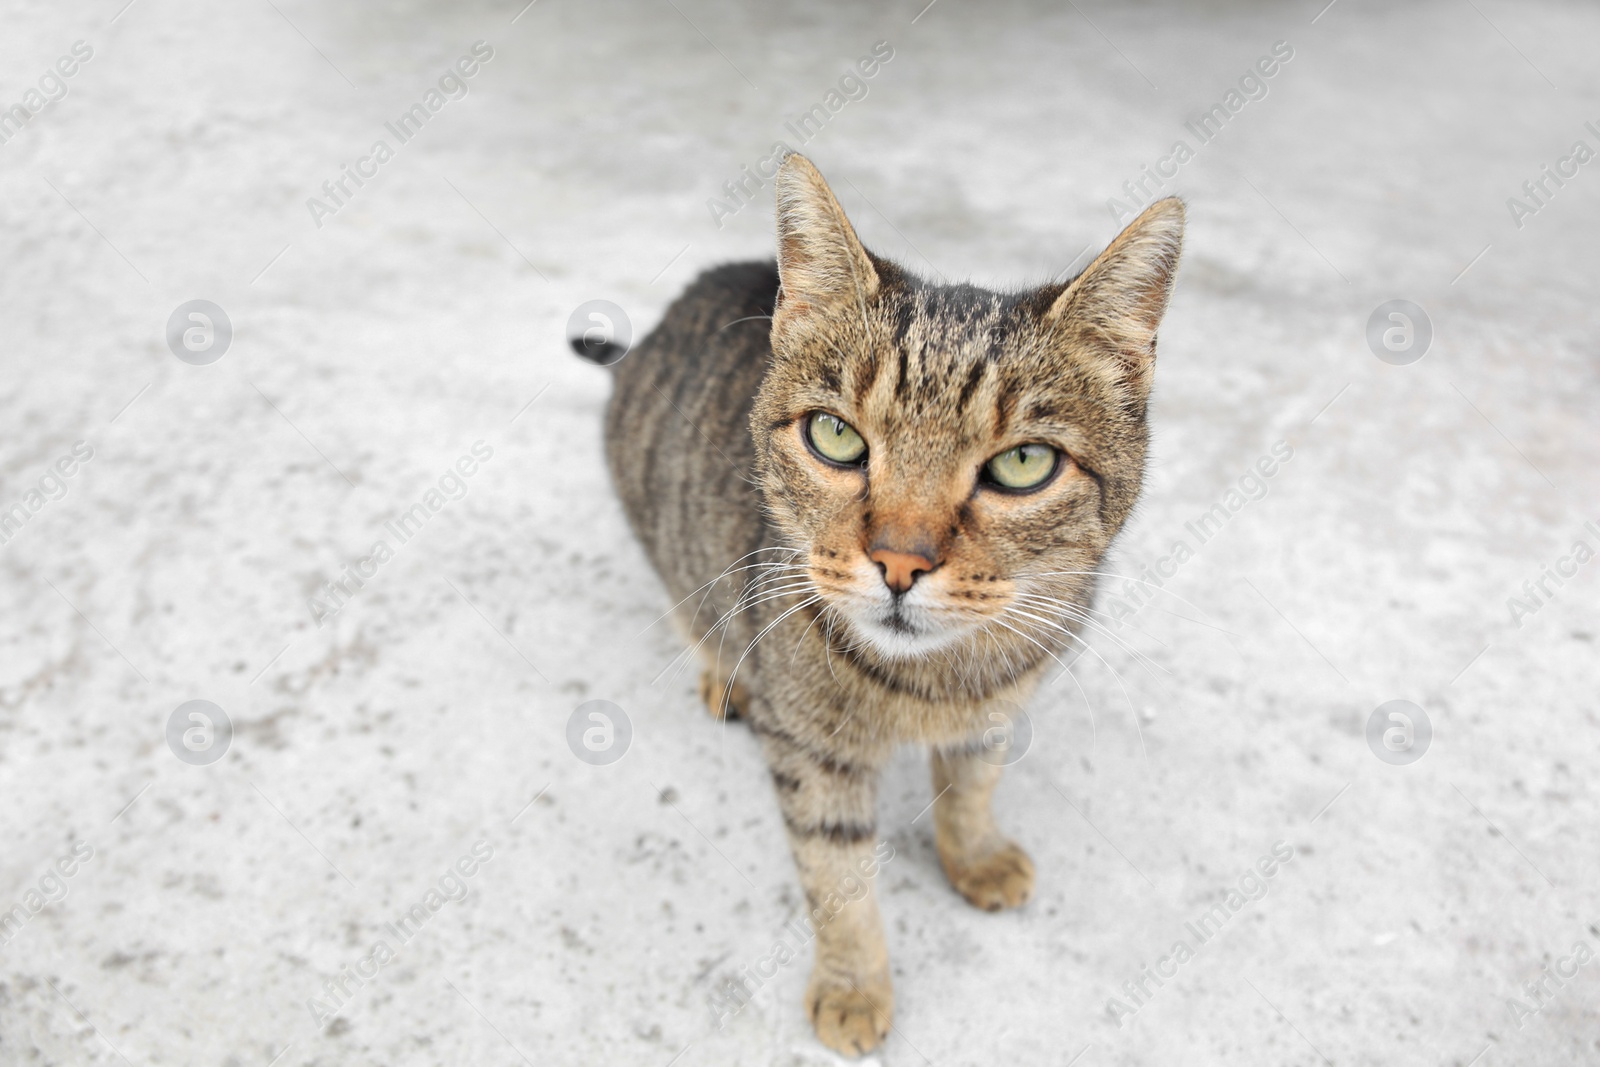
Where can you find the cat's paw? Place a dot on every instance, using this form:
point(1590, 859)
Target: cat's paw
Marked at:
point(721, 700)
point(993, 881)
point(852, 1018)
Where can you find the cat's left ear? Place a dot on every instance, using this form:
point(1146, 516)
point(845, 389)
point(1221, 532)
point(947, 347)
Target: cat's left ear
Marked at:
point(821, 264)
point(1116, 304)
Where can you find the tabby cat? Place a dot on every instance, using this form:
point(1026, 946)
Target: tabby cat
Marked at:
point(883, 503)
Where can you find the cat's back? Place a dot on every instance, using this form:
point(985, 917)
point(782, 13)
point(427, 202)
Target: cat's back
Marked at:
point(677, 427)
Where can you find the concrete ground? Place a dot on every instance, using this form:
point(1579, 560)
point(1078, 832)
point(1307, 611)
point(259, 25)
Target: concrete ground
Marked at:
point(230, 912)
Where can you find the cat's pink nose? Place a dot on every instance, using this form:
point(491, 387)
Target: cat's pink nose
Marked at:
point(900, 569)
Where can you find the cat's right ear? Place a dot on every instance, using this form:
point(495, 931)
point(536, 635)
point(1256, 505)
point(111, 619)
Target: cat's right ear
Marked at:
point(822, 267)
point(1115, 305)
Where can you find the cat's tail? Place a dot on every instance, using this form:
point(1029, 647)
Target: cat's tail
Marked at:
point(593, 349)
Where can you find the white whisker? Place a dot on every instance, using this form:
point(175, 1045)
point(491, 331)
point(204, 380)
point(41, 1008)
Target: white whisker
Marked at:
point(729, 570)
point(1132, 711)
point(1071, 612)
point(1112, 574)
point(757, 640)
point(750, 599)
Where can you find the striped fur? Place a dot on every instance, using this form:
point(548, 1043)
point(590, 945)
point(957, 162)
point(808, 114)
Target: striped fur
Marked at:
point(767, 546)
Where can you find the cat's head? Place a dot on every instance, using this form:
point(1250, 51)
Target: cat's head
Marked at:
point(952, 460)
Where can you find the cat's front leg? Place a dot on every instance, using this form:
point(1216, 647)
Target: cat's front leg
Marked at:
point(827, 795)
point(985, 866)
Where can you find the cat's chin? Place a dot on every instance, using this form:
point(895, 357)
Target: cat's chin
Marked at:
point(903, 640)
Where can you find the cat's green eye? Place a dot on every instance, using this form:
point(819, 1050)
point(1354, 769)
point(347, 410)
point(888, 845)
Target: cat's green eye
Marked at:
point(1023, 467)
point(834, 439)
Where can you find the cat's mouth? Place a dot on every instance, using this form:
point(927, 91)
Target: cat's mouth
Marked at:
point(910, 625)
point(903, 630)
point(899, 623)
